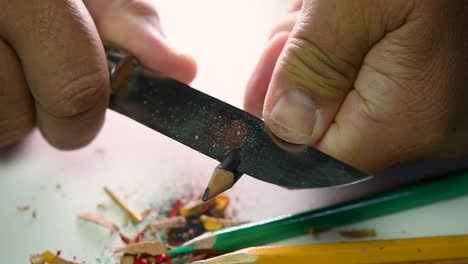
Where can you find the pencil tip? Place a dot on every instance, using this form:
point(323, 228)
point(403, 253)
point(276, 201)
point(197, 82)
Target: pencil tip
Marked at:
point(221, 181)
point(206, 194)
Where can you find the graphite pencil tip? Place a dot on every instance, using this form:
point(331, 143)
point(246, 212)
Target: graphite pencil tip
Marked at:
point(206, 194)
point(221, 181)
point(224, 176)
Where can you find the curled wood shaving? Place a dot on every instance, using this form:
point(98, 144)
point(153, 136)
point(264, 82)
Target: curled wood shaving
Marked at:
point(123, 205)
point(99, 220)
point(173, 222)
point(153, 248)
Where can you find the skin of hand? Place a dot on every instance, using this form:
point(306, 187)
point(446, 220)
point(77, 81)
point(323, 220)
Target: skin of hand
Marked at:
point(53, 69)
point(372, 83)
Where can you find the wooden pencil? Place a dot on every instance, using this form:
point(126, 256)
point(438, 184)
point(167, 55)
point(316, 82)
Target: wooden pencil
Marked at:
point(224, 176)
point(442, 249)
point(283, 227)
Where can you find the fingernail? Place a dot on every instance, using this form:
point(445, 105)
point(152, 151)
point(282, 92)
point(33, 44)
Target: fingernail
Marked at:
point(293, 117)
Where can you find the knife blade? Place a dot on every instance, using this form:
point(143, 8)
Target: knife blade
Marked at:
point(214, 128)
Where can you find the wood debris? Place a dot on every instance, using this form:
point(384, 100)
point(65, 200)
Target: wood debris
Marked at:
point(123, 205)
point(101, 206)
point(173, 222)
point(359, 233)
point(153, 248)
point(221, 203)
point(48, 257)
point(183, 222)
point(23, 208)
point(127, 259)
point(317, 233)
point(148, 213)
point(214, 223)
point(36, 259)
point(196, 207)
point(99, 220)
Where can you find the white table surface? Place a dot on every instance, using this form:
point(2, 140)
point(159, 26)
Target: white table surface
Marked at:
point(226, 38)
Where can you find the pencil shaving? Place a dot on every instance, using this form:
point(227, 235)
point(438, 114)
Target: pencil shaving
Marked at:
point(196, 207)
point(123, 205)
point(173, 222)
point(214, 224)
point(48, 257)
point(127, 259)
point(153, 248)
point(358, 233)
point(23, 208)
point(99, 220)
point(36, 259)
point(148, 213)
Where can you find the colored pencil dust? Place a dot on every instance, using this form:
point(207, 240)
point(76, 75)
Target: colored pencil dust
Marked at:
point(224, 176)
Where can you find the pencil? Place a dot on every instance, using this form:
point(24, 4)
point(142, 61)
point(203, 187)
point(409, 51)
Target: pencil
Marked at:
point(224, 176)
point(442, 249)
point(283, 227)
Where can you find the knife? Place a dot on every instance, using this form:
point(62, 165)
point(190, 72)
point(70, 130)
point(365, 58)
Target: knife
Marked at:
point(217, 129)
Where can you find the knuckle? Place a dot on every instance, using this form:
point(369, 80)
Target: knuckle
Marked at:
point(315, 70)
point(80, 94)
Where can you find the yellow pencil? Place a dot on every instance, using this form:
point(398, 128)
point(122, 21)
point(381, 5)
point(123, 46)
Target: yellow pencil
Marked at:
point(440, 250)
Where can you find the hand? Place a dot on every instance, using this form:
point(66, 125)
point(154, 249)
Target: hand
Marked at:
point(372, 83)
point(53, 70)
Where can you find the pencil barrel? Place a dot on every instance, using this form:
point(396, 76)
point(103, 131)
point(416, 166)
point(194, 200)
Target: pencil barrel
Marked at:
point(400, 199)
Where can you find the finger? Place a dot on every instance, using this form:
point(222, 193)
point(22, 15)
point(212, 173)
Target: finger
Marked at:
point(138, 31)
point(316, 70)
point(17, 114)
point(64, 64)
point(295, 5)
point(260, 78)
point(286, 24)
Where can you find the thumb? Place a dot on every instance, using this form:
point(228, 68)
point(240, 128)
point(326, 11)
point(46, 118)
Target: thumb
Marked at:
point(316, 69)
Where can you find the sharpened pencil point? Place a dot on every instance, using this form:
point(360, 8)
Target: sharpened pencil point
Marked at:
point(206, 194)
point(221, 181)
point(224, 176)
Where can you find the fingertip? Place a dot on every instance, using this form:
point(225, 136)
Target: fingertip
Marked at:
point(161, 56)
point(187, 68)
point(295, 5)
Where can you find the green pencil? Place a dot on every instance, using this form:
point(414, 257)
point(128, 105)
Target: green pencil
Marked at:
point(271, 230)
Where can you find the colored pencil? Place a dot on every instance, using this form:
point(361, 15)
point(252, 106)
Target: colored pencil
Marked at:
point(271, 230)
point(443, 249)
